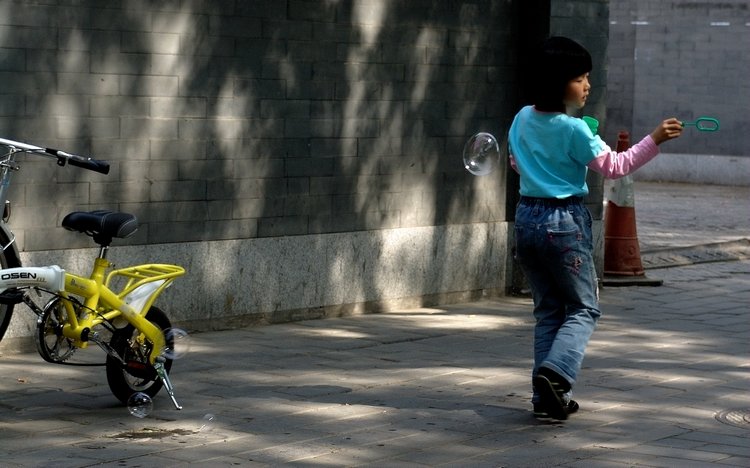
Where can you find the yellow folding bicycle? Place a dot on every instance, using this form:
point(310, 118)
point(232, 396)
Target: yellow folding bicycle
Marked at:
point(112, 308)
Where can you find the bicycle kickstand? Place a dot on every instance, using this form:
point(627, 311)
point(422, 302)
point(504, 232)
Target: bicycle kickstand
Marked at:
point(162, 373)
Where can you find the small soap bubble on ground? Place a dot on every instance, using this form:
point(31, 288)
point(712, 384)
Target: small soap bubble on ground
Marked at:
point(207, 423)
point(140, 405)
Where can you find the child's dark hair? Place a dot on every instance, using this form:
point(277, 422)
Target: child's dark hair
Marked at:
point(557, 61)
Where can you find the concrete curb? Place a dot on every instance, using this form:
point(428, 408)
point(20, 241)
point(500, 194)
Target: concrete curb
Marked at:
point(681, 256)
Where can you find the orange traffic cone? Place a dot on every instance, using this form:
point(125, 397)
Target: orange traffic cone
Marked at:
point(622, 254)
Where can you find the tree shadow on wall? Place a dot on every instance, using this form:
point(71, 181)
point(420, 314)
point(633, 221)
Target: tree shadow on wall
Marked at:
point(241, 120)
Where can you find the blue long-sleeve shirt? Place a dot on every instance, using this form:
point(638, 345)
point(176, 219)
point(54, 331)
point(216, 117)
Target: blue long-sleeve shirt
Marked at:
point(552, 151)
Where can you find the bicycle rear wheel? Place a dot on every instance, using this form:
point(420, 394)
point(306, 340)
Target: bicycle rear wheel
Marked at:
point(138, 375)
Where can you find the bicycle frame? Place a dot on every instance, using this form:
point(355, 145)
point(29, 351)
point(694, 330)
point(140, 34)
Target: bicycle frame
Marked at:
point(7, 167)
point(101, 302)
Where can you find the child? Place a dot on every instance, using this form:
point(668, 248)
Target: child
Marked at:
point(552, 152)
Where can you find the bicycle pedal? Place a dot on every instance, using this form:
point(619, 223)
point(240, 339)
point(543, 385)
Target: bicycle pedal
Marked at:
point(12, 296)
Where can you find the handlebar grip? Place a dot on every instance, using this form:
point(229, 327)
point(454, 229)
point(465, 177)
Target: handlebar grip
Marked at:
point(95, 165)
point(87, 163)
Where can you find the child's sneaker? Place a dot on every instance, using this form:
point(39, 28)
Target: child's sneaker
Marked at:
point(541, 414)
point(552, 388)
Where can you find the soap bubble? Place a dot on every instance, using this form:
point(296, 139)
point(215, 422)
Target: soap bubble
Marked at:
point(481, 154)
point(208, 423)
point(140, 405)
point(178, 343)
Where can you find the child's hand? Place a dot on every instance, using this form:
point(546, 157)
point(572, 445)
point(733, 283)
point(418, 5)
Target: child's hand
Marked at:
point(670, 128)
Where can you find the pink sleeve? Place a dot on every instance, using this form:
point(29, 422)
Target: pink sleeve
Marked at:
point(613, 165)
point(513, 162)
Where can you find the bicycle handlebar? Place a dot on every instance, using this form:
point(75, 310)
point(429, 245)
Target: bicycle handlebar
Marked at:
point(84, 162)
point(91, 164)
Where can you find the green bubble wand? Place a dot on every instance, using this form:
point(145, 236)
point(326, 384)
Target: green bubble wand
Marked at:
point(703, 124)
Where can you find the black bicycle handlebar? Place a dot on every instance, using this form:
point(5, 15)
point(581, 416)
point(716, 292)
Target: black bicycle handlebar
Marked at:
point(91, 164)
point(95, 165)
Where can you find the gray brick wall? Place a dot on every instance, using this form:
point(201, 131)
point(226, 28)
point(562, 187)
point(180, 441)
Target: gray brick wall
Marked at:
point(681, 58)
point(309, 150)
point(241, 119)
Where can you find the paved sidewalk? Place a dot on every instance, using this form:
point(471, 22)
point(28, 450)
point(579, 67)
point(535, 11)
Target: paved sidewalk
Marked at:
point(665, 384)
point(672, 215)
point(682, 224)
point(424, 387)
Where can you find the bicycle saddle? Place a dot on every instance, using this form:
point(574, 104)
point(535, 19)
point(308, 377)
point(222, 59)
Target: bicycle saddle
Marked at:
point(102, 225)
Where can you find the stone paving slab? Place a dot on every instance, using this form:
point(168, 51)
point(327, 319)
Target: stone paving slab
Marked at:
point(442, 386)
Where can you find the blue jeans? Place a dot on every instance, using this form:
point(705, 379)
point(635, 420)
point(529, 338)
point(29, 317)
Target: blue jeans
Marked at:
point(555, 250)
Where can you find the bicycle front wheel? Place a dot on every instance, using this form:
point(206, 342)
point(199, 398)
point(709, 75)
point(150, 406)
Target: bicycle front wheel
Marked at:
point(6, 310)
point(138, 375)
